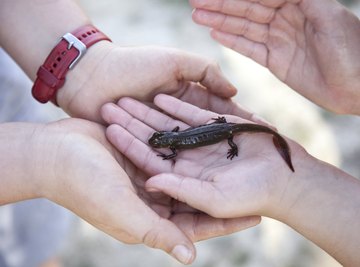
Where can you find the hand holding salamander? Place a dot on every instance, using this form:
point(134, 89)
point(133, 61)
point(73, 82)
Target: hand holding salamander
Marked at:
point(240, 187)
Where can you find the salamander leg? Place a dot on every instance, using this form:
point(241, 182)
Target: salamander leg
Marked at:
point(176, 129)
point(233, 151)
point(169, 156)
point(219, 120)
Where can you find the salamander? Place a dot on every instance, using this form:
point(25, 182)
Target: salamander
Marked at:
point(213, 133)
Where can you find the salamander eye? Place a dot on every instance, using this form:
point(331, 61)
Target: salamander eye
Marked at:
point(155, 139)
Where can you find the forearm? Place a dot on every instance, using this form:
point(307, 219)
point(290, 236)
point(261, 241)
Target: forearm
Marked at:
point(323, 205)
point(17, 162)
point(30, 29)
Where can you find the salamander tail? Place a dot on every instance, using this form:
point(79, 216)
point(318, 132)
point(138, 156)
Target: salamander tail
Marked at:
point(283, 149)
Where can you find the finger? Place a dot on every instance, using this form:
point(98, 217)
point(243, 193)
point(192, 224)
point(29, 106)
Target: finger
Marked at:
point(256, 51)
point(191, 67)
point(257, 8)
point(152, 230)
point(138, 119)
point(201, 226)
point(114, 114)
point(206, 100)
point(153, 118)
point(253, 31)
point(190, 114)
point(237, 110)
point(185, 111)
point(142, 155)
point(194, 192)
point(246, 9)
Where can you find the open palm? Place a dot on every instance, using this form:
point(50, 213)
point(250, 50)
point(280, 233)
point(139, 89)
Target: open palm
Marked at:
point(312, 46)
point(252, 172)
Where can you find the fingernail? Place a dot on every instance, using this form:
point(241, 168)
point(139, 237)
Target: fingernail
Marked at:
point(152, 190)
point(182, 254)
point(232, 88)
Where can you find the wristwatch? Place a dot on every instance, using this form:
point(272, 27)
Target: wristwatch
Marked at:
point(64, 56)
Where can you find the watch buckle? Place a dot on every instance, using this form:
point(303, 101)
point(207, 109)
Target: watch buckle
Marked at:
point(77, 44)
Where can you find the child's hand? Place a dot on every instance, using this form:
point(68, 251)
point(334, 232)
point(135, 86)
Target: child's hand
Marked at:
point(109, 72)
point(312, 46)
point(203, 177)
point(315, 200)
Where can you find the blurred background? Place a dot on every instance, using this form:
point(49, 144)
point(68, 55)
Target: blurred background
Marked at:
point(329, 137)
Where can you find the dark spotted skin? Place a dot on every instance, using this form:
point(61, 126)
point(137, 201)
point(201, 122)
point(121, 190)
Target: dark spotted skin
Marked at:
point(213, 133)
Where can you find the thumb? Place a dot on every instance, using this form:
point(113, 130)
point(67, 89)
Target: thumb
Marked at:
point(165, 235)
point(156, 232)
point(198, 69)
point(196, 193)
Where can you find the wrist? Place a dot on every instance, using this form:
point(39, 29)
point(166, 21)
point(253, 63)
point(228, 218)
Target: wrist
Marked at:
point(51, 75)
point(19, 158)
point(319, 200)
point(305, 193)
point(85, 84)
point(289, 188)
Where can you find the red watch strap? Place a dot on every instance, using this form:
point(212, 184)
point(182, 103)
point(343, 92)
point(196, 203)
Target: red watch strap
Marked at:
point(72, 46)
point(89, 35)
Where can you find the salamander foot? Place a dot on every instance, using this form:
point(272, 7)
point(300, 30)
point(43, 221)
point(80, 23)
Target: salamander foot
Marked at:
point(219, 120)
point(169, 156)
point(232, 152)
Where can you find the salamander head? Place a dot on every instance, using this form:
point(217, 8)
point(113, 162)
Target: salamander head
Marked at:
point(160, 139)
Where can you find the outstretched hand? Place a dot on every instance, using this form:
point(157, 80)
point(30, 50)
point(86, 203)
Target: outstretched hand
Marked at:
point(312, 46)
point(203, 177)
point(256, 182)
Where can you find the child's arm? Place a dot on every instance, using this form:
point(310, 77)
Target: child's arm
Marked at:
point(30, 29)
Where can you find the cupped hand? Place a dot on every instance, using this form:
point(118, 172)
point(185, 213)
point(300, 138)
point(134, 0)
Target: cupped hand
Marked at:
point(203, 177)
point(90, 178)
point(312, 46)
point(109, 72)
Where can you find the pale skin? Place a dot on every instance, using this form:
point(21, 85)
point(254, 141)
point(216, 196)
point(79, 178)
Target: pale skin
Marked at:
point(106, 73)
point(70, 162)
point(318, 200)
point(312, 46)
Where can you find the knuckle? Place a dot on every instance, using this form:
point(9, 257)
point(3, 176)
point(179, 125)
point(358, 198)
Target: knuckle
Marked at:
point(249, 11)
point(212, 64)
point(245, 27)
point(152, 237)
